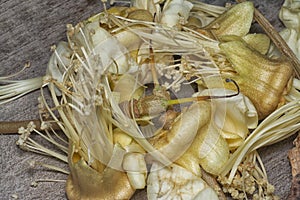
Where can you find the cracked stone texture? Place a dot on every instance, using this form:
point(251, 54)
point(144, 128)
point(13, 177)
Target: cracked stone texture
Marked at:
point(27, 30)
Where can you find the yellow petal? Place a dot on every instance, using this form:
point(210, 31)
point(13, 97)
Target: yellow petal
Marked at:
point(261, 79)
point(235, 21)
point(85, 182)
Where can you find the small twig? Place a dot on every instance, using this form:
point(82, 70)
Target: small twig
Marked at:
point(276, 39)
point(294, 157)
point(213, 183)
point(12, 127)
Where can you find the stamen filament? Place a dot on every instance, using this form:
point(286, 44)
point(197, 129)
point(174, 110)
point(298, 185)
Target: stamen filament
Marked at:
point(201, 98)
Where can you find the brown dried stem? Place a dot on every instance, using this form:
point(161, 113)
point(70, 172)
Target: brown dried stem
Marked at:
point(294, 156)
point(12, 127)
point(213, 183)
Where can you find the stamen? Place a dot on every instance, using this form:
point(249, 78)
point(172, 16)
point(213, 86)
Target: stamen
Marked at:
point(35, 183)
point(85, 41)
point(84, 64)
point(27, 65)
point(152, 66)
point(230, 95)
point(58, 57)
point(16, 89)
point(34, 163)
point(201, 98)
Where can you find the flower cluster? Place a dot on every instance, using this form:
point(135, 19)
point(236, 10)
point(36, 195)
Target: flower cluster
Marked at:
point(249, 180)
